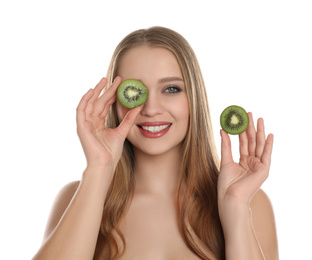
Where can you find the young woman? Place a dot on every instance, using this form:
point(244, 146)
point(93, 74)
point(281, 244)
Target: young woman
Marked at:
point(153, 187)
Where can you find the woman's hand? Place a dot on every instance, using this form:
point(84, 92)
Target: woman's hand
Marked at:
point(238, 182)
point(102, 146)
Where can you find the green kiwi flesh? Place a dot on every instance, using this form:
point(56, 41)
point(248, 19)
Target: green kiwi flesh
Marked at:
point(132, 93)
point(234, 120)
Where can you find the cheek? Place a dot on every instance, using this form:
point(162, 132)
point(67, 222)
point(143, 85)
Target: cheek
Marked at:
point(121, 111)
point(182, 110)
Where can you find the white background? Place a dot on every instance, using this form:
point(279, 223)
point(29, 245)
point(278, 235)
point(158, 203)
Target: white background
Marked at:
point(256, 54)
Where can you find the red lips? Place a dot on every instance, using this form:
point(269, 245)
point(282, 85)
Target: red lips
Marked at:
point(154, 129)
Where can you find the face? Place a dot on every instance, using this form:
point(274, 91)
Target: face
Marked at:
point(163, 122)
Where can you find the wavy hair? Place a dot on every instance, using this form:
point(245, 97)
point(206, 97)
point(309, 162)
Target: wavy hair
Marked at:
point(198, 213)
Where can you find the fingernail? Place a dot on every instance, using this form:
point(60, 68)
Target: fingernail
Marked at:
point(115, 79)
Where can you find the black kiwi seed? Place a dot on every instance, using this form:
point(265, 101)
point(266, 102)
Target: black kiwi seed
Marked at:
point(234, 120)
point(132, 93)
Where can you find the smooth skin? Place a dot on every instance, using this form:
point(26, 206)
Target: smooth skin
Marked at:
point(72, 229)
point(150, 224)
point(245, 211)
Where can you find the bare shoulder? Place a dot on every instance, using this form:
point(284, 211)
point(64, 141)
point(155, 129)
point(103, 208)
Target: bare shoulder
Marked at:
point(261, 201)
point(59, 206)
point(264, 224)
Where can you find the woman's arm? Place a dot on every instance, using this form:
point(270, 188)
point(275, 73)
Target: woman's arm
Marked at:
point(250, 232)
point(74, 224)
point(245, 213)
point(263, 221)
point(74, 235)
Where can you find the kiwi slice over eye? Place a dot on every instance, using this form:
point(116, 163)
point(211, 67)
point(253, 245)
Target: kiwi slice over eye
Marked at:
point(132, 93)
point(234, 120)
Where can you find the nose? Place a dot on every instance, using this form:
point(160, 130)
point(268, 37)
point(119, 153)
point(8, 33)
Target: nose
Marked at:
point(153, 105)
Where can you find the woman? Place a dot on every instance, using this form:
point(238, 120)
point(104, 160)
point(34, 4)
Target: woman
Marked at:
point(153, 188)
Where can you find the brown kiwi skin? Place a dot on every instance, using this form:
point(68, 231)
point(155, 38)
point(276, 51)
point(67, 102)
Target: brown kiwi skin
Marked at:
point(225, 118)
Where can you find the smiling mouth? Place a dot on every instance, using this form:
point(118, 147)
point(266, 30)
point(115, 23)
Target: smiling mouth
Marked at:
point(155, 129)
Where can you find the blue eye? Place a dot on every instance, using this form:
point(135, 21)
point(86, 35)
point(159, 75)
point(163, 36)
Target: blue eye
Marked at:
point(172, 89)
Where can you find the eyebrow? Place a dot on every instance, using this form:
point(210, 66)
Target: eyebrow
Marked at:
point(169, 79)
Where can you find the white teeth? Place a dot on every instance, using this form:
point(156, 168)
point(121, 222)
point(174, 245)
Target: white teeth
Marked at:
point(155, 129)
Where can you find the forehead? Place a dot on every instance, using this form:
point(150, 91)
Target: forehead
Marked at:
point(146, 61)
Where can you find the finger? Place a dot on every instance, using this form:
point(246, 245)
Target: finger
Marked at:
point(260, 138)
point(226, 150)
point(267, 151)
point(107, 106)
point(97, 91)
point(107, 99)
point(128, 121)
point(81, 113)
point(243, 144)
point(251, 134)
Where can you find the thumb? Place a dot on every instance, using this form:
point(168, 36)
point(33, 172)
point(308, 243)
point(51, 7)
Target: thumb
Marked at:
point(226, 150)
point(128, 121)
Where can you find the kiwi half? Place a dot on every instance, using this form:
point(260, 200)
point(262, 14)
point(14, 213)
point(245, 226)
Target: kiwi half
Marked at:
point(132, 93)
point(234, 120)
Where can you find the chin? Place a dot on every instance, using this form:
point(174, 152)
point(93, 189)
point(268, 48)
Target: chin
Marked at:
point(156, 149)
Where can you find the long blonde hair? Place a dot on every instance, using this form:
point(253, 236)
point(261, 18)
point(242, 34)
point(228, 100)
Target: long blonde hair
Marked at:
point(198, 213)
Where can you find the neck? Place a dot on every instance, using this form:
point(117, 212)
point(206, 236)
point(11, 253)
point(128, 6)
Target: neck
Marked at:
point(158, 174)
